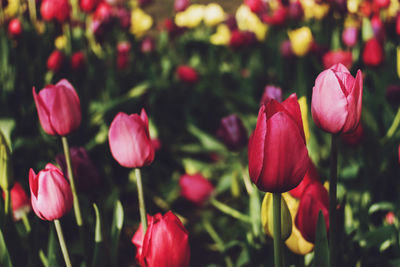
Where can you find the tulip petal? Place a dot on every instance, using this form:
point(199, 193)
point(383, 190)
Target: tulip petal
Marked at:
point(340, 67)
point(355, 104)
point(43, 112)
point(292, 106)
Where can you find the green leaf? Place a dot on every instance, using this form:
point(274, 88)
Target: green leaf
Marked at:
point(5, 259)
point(255, 213)
point(381, 206)
point(377, 237)
point(98, 255)
point(53, 249)
point(208, 141)
point(321, 250)
point(116, 228)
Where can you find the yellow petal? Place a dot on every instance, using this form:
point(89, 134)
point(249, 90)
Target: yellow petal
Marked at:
point(222, 36)
point(213, 14)
point(190, 17)
point(141, 22)
point(304, 110)
point(301, 40)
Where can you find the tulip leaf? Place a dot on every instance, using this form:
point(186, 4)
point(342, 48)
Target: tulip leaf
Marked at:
point(381, 206)
point(99, 253)
point(52, 249)
point(377, 237)
point(209, 142)
point(321, 250)
point(255, 213)
point(118, 221)
point(5, 259)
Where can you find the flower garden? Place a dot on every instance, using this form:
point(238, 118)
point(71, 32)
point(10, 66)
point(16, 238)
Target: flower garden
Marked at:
point(199, 133)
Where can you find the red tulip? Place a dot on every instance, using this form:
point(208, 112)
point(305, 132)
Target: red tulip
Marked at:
point(271, 92)
point(88, 5)
point(354, 138)
point(382, 3)
point(78, 60)
point(278, 17)
point(187, 74)
point(241, 39)
point(278, 157)
point(398, 23)
point(130, 141)
point(15, 27)
point(335, 57)
point(256, 6)
point(390, 218)
point(55, 61)
point(123, 59)
point(311, 176)
point(51, 194)
point(195, 188)
point(58, 108)
point(295, 11)
point(314, 199)
point(232, 132)
point(373, 53)
point(350, 36)
point(20, 202)
point(165, 244)
point(337, 100)
point(55, 9)
point(148, 45)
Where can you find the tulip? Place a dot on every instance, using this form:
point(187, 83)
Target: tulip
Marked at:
point(278, 17)
point(337, 100)
point(398, 24)
point(271, 92)
point(232, 132)
point(166, 242)
point(256, 6)
point(335, 57)
point(85, 173)
point(278, 157)
point(314, 199)
point(55, 9)
point(286, 49)
point(58, 108)
point(187, 74)
point(222, 35)
point(123, 16)
point(390, 218)
point(213, 15)
point(78, 61)
point(295, 11)
point(130, 141)
point(373, 53)
point(103, 12)
point(354, 138)
point(88, 6)
point(141, 22)
point(123, 49)
point(181, 5)
point(301, 40)
point(55, 61)
point(15, 27)
point(241, 39)
point(195, 188)
point(382, 3)
point(304, 116)
point(267, 217)
point(6, 171)
point(148, 45)
point(393, 94)
point(350, 36)
point(311, 176)
point(51, 194)
point(249, 21)
point(20, 202)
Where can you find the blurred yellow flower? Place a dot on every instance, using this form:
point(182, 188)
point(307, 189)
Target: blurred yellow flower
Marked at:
point(296, 243)
point(267, 217)
point(190, 17)
point(222, 36)
point(392, 9)
point(60, 42)
point(140, 22)
point(12, 9)
point(213, 14)
point(352, 21)
point(314, 10)
point(304, 110)
point(248, 21)
point(301, 40)
point(352, 5)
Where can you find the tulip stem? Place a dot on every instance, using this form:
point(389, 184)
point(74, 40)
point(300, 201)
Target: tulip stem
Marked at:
point(276, 202)
point(218, 241)
point(332, 200)
point(230, 211)
point(142, 206)
point(7, 200)
point(25, 220)
point(394, 126)
point(32, 11)
point(62, 243)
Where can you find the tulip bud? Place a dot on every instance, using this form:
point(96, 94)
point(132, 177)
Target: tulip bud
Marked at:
point(350, 36)
point(390, 218)
point(15, 28)
point(165, 243)
point(295, 11)
point(286, 49)
point(20, 202)
point(78, 61)
point(148, 45)
point(130, 141)
point(314, 199)
point(187, 74)
point(271, 92)
point(335, 57)
point(232, 132)
point(195, 188)
point(55, 9)
point(123, 58)
point(58, 108)
point(181, 5)
point(6, 171)
point(51, 194)
point(278, 157)
point(85, 173)
point(311, 176)
point(267, 217)
point(88, 6)
point(393, 94)
point(337, 100)
point(301, 40)
point(373, 53)
point(55, 61)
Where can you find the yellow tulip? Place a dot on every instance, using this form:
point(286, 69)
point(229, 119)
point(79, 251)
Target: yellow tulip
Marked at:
point(301, 40)
point(213, 14)
point(392, 9)
point(304, 110)
point(312, 10)
point(267, 217)
point(222, 36)
point(60, 42)
point(352, 5)
point(141, 22)
point(248, 21)
point(190, 17)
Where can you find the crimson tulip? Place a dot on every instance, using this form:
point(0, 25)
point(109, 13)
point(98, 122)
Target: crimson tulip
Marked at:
point(187, 74)
point(165, 244)
point(373, 53)
point(20, 202)
point(398, 24)
point(195, 188)
point(58, 108)
point(55, 9)
point(55, 61)
point(15, 27)
point(78, 61)
point(51, 194)
point(337, 100)
point(278, 157)
point(335, 57)
point(310, 176)
point(256, 6)
point(130, 141)
point(232, 132)
point(314, 199)
point(241, 39)
point(88, 6)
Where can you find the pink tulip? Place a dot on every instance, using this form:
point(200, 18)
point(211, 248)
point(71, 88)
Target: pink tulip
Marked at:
point(51, 194)
point(195, 188)
point(58, 108)
point(20, 202)
point(130, 141)
point(337, 100)
point(350, 36)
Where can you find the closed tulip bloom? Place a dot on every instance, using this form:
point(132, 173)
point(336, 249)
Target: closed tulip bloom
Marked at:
point(335, 57)
point(165, 244)
point(337, 100)
point(58, 108)
point(232, 132)
point(195, 188)
point(350, 36)
point(373, 53)
point(88, 5)
point(187, 74)
point(20, 202)
point(55, 9)
point(15, 27)
point(314, 199)
point(55, 60)
point(130, 141)
point(301, 40)
point(278, 157)
point(51, 194)
point(78, 61)
point(311, 176)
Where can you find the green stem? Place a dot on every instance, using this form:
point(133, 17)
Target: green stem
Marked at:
point(230, 211)
point(27, 225)
point(142, 206)
point(62, 243)
point(332, 201)
point(32, 11)
point(246, 180)
point(218, 241)
point(67, 32)
point(276, 202)
point(394, 126)
point(7, 202)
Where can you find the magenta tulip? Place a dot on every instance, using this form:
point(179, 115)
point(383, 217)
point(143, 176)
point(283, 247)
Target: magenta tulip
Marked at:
point(337, 100)
point(51, 194)
point(278, 157)
point(59, 108)
point(130, 141)
point(195, 188)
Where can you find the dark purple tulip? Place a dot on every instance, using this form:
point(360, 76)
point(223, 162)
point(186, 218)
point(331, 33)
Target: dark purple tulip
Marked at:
point(232, 132)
